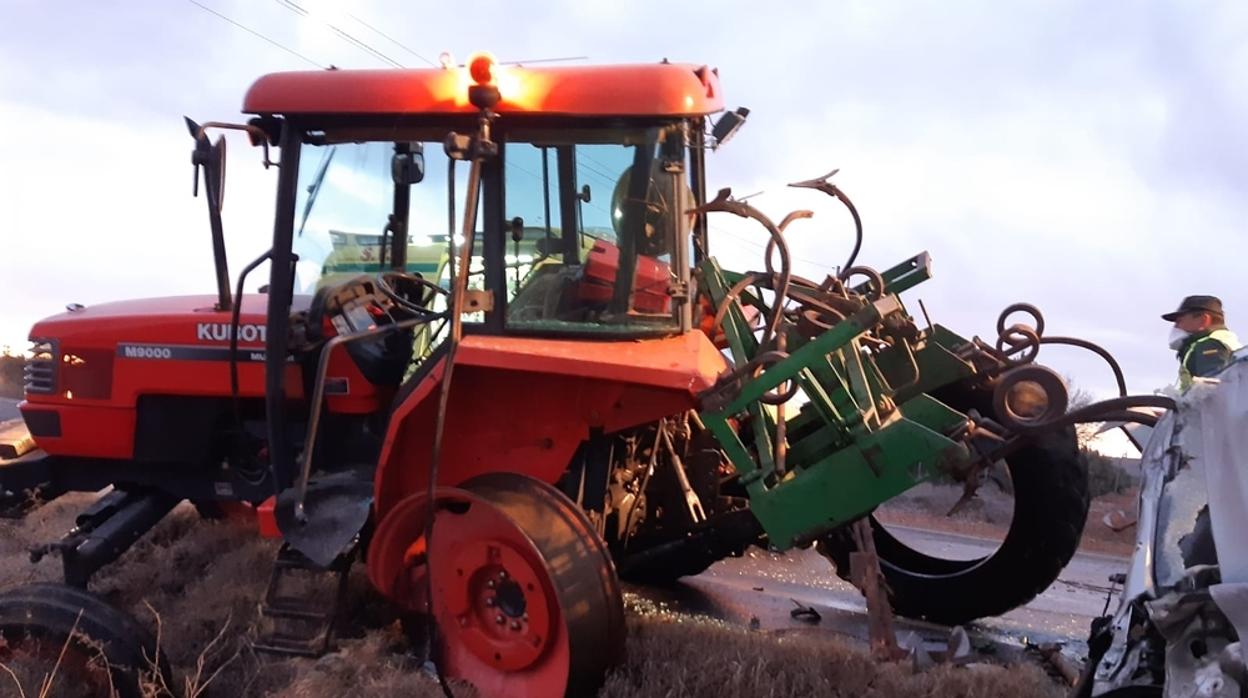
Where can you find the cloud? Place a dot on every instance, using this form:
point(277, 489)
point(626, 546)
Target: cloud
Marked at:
point(107, 214)
point(1088, 157)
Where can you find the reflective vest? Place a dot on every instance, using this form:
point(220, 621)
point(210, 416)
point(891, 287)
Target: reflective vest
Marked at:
point(1202, 343)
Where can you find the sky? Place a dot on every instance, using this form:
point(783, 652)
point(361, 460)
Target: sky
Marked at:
point(1086, 157)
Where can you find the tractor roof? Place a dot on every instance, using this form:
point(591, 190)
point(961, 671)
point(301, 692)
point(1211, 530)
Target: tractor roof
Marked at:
point(662, 89)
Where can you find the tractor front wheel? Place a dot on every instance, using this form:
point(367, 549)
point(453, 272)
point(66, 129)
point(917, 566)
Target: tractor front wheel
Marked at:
point(58, 640)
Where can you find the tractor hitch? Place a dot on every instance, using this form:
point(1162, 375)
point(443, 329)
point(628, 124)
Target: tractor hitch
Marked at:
point(106, 530)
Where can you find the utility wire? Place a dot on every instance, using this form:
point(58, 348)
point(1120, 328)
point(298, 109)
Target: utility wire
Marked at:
point(391, 39)
point(363, 46)
point(560, 59)
point(257, 34)
point(746, 241)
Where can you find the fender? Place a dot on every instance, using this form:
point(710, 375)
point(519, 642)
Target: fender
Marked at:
point(553, 391)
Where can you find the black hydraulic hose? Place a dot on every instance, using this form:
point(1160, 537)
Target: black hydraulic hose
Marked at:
point(1144, 418)
point(1099, 351)
point(403, 303)
point(1106, 411)
point(1117, 408)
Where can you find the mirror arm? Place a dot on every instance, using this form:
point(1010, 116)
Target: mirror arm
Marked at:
point(258, 137)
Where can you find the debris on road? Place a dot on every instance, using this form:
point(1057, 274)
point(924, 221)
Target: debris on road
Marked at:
point(959, 650)
point(805, 613)
point(1118, 520)
point(15, 439)
point(1056, 662)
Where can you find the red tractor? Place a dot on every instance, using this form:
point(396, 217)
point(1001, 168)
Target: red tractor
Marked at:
point(536, 375)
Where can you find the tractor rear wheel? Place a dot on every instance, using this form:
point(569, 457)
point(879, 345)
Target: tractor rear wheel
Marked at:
point(524, 592)
point(70, 639)
point(1050, 485)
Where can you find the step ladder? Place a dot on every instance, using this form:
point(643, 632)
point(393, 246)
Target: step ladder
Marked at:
point(301, 606)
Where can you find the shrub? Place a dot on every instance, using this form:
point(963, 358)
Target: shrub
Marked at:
point(1105, 475)
point(11, 375)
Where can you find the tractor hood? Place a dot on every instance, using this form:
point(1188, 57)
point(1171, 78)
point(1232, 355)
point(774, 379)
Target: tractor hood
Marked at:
point(113, 352)
point(187, 320)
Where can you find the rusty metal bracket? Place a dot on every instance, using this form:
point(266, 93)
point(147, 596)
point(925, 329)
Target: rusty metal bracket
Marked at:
point(864, 570)
point(477, 301)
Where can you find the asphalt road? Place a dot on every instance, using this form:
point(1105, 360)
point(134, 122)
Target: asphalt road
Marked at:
point(8, 409)
point(760, 589)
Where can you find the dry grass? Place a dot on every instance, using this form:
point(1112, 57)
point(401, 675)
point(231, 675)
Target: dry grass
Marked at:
point(45, 524)
point(200, 583)
point(679, 656)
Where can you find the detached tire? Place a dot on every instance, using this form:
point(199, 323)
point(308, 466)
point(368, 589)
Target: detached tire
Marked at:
point(105, 651)
point(1050, 509)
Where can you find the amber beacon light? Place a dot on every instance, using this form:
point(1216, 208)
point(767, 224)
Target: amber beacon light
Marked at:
point(483, 69)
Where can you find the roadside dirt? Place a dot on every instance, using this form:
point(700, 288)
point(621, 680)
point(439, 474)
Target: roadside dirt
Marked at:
point(193, 581)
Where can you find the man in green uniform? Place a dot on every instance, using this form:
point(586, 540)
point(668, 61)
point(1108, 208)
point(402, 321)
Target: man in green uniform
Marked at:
point(1200, 338)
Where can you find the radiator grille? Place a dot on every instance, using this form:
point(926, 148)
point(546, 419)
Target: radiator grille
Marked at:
point(39, 375)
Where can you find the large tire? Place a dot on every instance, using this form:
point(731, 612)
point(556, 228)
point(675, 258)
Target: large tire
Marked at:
point(101, 650)
point(1050, 509)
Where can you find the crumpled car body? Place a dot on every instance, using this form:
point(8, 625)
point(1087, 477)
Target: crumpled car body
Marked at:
point(1184, 605)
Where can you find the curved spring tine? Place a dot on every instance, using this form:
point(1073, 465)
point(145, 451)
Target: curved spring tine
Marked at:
point(793, 216)
point(722, 201)
point(820, 183)
point(740, 208)
point(827, 187)
point(771, 242)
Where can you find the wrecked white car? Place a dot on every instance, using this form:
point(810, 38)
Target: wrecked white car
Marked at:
point(1184, 605)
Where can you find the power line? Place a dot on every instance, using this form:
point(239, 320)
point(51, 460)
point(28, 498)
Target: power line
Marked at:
point(363, 46)
point(391, 39)
point(746, 241)
point(559, 59)
point(257, 34)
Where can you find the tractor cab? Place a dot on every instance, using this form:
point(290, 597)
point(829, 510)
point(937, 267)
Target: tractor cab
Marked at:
point(578, 185)
point(579, 245)
point(582, 226)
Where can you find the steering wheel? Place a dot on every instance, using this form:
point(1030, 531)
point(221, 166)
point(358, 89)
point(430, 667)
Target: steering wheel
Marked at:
point(410, 291)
